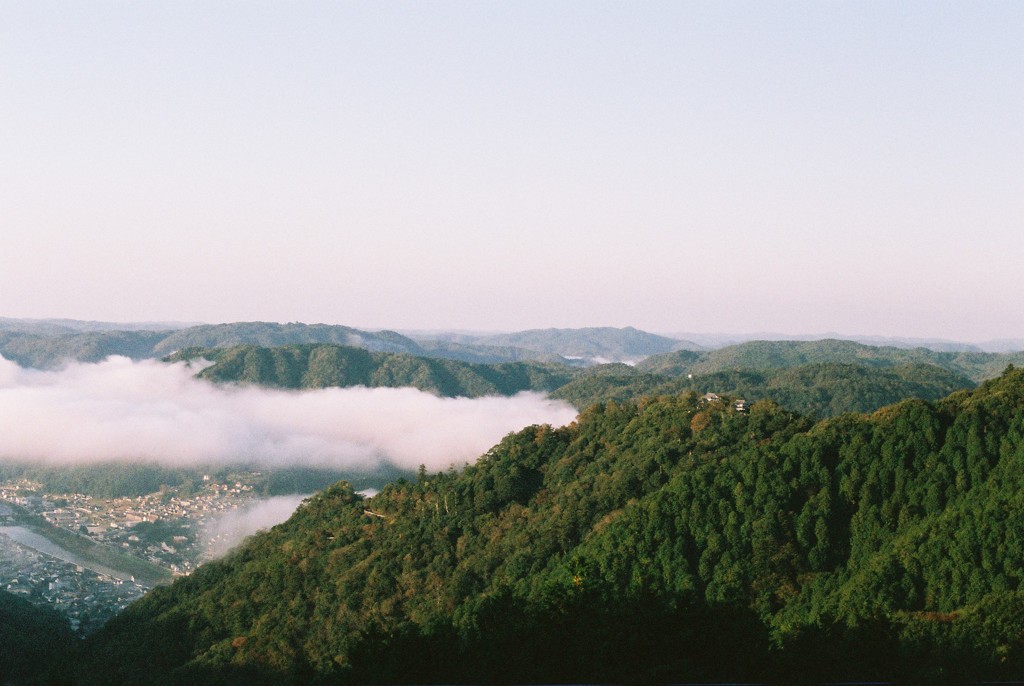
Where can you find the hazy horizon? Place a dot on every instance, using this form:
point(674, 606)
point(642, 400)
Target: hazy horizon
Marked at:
point(692, 336)
point(802, 167)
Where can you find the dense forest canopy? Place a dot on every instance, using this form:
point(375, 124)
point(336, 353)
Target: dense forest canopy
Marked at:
point(663, 539)
point(322, 366)
point(765, 355)
point(49, 344)
point(822, 389)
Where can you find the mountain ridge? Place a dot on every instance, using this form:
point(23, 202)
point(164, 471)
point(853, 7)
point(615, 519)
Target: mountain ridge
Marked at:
point(651, 541)
point(761, 355)
point(49, 343)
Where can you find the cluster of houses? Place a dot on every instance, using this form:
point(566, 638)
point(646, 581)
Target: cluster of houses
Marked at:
point(115, 521)
point(737, 405)
point(87, 599)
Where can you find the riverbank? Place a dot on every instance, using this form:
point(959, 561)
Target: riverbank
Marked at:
point(36, 533)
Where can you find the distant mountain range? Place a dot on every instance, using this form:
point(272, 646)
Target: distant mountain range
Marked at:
point(716, 340)
point(824, 378)
point(56, 327)
point(764, 355)
point(47, 343)
point(595, 344)
point(45, 346)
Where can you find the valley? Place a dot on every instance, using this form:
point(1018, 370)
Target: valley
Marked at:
point(88, 556)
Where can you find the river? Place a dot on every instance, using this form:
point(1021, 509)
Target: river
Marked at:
point(42, 544)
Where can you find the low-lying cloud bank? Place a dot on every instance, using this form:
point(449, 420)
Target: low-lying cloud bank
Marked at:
point(124, 410)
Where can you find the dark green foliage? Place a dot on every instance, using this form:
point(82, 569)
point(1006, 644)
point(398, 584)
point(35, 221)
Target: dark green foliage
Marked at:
point(321, 366)
point(818, 389)
point(288, 480)
point(32, 638)
point(652, 541)
point(821, 389)
point(764, 355)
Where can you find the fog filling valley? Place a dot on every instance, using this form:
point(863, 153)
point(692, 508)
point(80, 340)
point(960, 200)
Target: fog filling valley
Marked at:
point(121, 409)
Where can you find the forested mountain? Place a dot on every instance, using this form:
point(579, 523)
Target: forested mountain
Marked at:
point(712, 341)
point(759, 355)
point(486, 354)
point(594, 343)
point(49, 345)
point(58, 327)
point(321, 366)
point(652, 541)
point(48, 351)
point(272, 334)
point(821, 389)
point(818, 389)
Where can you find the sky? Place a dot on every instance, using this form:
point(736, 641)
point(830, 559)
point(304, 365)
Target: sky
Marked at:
point(799, 167)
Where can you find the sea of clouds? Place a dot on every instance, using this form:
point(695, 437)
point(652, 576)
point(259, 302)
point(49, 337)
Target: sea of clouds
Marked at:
point(121, 409)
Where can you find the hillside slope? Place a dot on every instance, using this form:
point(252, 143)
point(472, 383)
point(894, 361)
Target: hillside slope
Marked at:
point(322, 366)
point(47, 345)
point(820, 389)
point(589, 343)
point(656, 541)
point(32, 639)
point(763, 355)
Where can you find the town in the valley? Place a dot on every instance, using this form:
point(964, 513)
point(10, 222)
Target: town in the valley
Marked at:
point(89, 557)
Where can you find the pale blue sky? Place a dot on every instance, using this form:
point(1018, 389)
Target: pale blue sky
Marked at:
point(677, 166)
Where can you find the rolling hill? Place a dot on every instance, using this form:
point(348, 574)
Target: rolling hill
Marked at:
point(49, 345)
point(595, 343)
point(653, 541)
point(327, 365)
point(820, 389)
point(762, 355)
